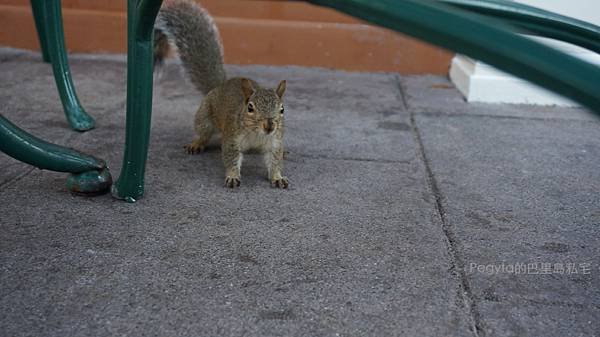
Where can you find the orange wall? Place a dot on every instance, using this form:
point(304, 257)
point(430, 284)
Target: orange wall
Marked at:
point(253, 32)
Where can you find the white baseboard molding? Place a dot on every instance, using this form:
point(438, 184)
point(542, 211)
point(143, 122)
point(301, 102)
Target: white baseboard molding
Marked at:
point(479, 82)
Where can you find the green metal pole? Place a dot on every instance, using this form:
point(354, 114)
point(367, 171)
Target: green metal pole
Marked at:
point(487, 40)
point(536, 21)
point(90, 174)
point(140, 25)
point(37, 8)
point(55, 43)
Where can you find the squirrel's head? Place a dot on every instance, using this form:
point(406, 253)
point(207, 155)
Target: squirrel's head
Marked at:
point(263, 111)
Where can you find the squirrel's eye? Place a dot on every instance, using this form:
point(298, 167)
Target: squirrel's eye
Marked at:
point(250, 107)
point(281, 111)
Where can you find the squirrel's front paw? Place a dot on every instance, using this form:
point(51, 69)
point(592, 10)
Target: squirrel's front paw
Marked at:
point(232, 182)
point(193, 148)
point(280, 183)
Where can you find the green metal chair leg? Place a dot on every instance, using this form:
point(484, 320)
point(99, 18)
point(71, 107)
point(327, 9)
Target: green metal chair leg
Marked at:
point(489, 40)
point(140, 25)
point(536, 21)
point(89, 175)
point(55, 44)
point(37, 8)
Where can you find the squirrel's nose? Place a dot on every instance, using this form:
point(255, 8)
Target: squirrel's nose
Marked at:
point(269, 125)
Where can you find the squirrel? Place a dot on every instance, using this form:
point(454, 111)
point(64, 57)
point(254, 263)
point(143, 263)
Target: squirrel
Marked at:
point(248, 116)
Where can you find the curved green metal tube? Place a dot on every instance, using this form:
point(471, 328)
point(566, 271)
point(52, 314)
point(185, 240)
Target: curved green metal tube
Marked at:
point(90, 174)
point(488, 40)
point(34, 151)
point(140, 26)
point(536, 21)
point(37, 8)
point(55, 44)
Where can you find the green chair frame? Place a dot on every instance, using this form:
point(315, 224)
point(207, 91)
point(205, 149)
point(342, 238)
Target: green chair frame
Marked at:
point(48, 21)
point(534, 21)
point(464, 26)
point(90, 175)
point(454, 26)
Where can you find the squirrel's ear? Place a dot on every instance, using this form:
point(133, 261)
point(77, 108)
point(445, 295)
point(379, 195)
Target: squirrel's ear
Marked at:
point(280, 89)
point(247, 88)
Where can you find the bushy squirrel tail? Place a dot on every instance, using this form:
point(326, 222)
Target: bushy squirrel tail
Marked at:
point(190, 28)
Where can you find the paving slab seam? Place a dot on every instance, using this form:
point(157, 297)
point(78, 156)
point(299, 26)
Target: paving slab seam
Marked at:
point(402, 93)
point(16, 179)
point(383, 161)
point(560, 304)
point(457, 264)
point(429, 113)
point(9, 58)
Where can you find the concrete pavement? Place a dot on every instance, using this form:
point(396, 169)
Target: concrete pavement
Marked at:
point(409, 214)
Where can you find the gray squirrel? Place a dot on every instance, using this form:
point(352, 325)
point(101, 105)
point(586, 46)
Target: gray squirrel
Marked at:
point(246, 115)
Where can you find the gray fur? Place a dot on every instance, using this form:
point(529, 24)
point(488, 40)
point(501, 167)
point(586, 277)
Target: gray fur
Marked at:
point(192, 30)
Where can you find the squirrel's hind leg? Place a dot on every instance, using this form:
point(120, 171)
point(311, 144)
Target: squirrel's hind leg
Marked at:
point(204, 130)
